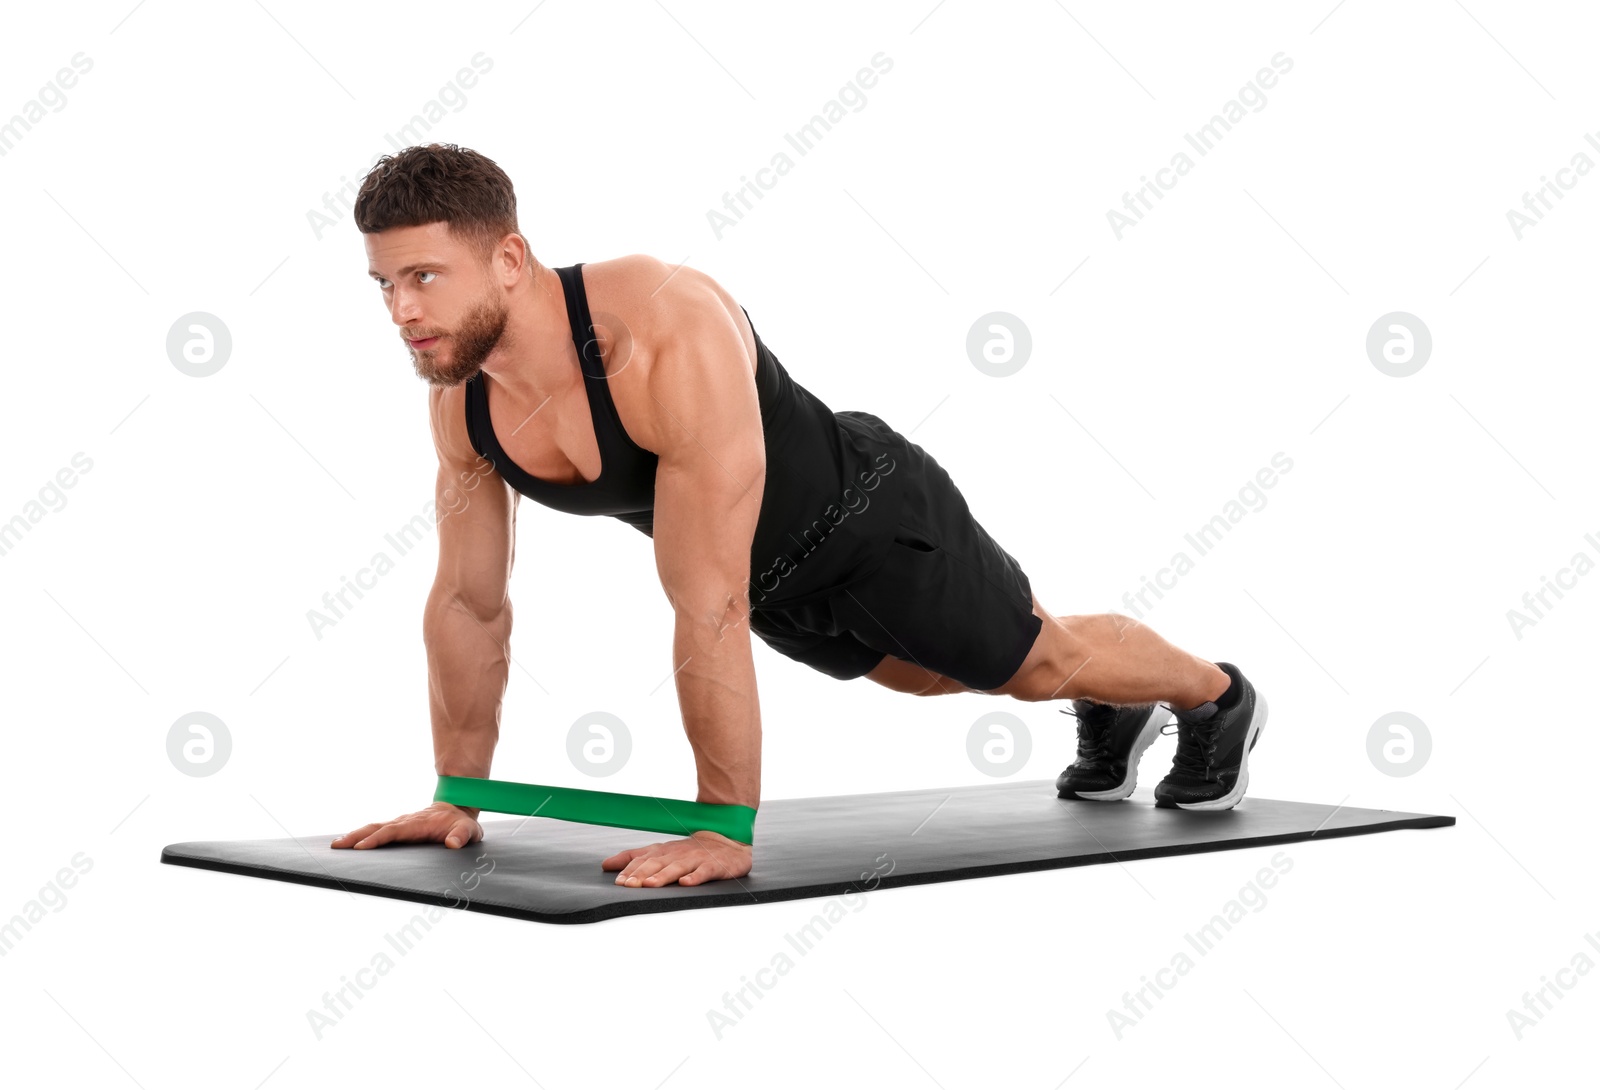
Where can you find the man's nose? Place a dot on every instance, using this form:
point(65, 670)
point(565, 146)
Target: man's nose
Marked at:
point(403, 308)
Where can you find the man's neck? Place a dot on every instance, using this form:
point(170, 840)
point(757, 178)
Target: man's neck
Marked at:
point(533, 361)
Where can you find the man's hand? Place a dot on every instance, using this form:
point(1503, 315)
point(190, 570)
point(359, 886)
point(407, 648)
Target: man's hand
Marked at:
point(703, 857)
point(439, 822)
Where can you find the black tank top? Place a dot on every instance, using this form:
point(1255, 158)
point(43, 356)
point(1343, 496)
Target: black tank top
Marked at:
point(832, 496)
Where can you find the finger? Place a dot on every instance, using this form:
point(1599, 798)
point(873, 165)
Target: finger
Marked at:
point(673, 871)
point(383, 836)
point(462, 833)
point(620, 860)
point(642, 869)
point(350, 838)
point(705, 872)
point(632, 869)
point(635, 854)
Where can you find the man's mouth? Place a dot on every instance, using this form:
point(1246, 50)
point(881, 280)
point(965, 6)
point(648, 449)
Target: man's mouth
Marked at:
point(425, 342)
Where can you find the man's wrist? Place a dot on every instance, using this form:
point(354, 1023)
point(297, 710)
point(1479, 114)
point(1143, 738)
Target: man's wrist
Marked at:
point(716, 798)
point(744, 826)
point(723, 837)
point(471, 811)
point(472, 771)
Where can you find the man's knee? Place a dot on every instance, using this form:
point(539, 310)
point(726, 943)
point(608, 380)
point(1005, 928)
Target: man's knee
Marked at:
point(1059, 653)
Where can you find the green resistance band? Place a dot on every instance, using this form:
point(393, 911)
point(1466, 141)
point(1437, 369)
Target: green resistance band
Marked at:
point(599, 807)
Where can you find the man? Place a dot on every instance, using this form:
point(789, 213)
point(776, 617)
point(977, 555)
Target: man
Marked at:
point(632, 389)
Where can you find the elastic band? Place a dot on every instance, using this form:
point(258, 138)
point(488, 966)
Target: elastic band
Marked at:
point(599, 807)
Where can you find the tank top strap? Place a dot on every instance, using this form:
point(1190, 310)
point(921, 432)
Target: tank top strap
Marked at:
point(578, 317)
point(609, 432)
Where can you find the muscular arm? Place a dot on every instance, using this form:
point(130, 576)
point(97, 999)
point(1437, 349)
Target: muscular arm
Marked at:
point(466, 626)
point(709, 482)
point(466, 622)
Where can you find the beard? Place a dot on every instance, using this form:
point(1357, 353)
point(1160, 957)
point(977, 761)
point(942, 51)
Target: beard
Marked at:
point(470, 344)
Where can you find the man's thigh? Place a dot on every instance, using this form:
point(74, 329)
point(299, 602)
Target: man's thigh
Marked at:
point(807, 636)
point(948, 598)
point(907, 677)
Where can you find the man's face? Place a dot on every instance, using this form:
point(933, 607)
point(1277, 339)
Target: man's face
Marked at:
point(450, 311)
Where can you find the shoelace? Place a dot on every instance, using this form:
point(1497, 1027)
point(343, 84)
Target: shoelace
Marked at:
point(1094, 732)
point(1197, 746)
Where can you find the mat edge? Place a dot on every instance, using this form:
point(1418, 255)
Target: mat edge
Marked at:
point(619, 909)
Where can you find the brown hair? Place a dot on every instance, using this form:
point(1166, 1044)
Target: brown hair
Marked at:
point(434, 183)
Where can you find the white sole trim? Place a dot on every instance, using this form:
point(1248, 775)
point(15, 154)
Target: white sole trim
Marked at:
point(1160, 716)
point(1258, 722)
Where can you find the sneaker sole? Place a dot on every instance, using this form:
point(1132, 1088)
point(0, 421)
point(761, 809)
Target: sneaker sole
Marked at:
point(1159, 717)
point(1258, 723)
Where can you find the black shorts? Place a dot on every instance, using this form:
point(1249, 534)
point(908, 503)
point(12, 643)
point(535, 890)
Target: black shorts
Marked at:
point(946, 597)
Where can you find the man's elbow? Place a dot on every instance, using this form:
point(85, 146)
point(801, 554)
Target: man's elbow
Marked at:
point(488, 607)
point(715, 615)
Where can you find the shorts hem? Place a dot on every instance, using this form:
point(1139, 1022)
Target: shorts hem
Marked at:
point(1018, 654)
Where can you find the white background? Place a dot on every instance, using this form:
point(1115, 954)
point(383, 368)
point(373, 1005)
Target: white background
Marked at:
point(1173, 364)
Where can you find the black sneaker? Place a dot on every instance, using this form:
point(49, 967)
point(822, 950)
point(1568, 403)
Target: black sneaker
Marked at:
point(1111, 739)
point(1210, 770)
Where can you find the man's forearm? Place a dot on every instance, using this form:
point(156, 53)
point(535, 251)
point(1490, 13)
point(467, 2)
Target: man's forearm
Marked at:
point(468, 663)
point(721, 713)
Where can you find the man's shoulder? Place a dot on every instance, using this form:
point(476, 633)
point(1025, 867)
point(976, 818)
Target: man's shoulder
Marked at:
point(656, 299)
point(665, 332)
point(632, 273)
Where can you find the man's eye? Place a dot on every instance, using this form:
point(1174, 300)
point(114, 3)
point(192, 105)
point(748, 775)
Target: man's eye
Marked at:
point(384, 285)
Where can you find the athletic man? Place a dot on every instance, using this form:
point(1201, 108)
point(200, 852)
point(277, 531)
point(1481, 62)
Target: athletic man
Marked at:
point(633, 389)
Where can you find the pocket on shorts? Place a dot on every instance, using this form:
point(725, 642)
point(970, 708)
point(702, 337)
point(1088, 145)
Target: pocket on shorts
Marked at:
point(915, 540)
point(917, 536)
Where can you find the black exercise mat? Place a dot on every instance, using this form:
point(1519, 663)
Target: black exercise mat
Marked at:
point(547, 870)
